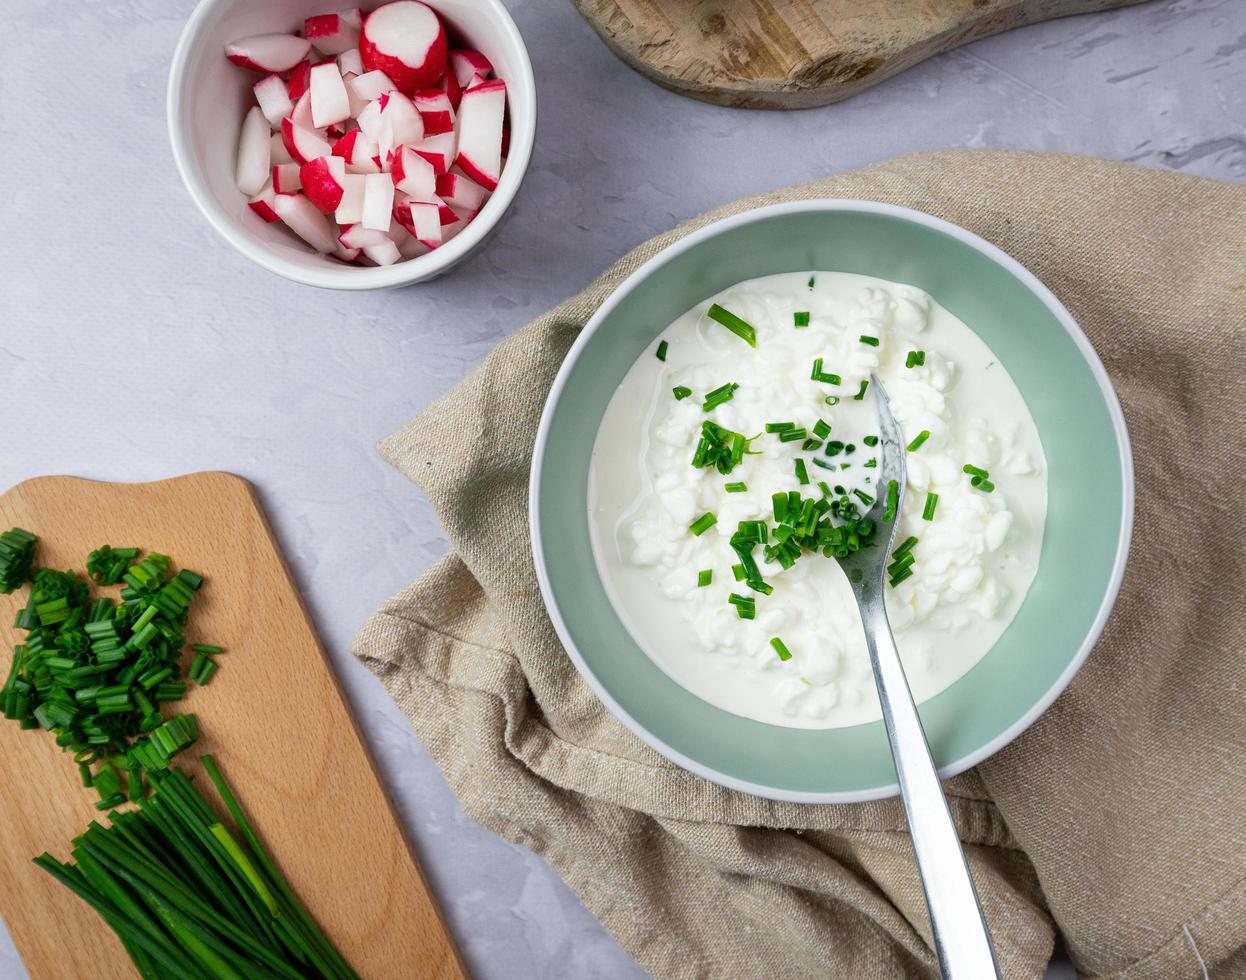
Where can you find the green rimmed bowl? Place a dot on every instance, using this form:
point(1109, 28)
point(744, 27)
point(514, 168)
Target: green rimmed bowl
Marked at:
point(1085, 541)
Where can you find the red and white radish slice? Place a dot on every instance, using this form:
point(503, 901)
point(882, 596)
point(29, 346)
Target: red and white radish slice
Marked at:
point(329, 102)
point(413, 248)
point(252, 171)
point(425, 222)
point(434, 108)
point(460, 191)
point(322, 182)
point(350, 207)
point(357, 236)
point(384, 254)
point(330, 33)
point(299, 80)
point(268, 52)
point(400, 123)
point(450, 85)
point(357, 105)
point(465, 62)
point(480, 133)
point(262, 204)
point(358, 153)
point(405, 40)
point(274, 99)
point(378, 201)
point(302, 144)
point(301, 114)
point(303, 218)
point(286, 178)
point(353, 17)
point(439, 150)
point(277, 152)
point(349, 62)
point(372, 85)
point(346, 254)
point(413, 175)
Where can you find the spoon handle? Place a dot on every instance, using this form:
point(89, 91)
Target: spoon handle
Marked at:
point(961, 939)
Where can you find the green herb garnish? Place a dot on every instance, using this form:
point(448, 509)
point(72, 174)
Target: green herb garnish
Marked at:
point(915, 358)
point(680, 392)
point(932, 501)
point(916, 444)
point(780, 648)
point(703, 524)
point(740, 328)
point(663, 347)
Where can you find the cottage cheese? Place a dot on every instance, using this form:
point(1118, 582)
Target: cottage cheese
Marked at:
point(975, 559)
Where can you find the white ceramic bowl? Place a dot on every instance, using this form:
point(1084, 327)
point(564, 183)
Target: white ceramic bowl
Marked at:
point(208, 97)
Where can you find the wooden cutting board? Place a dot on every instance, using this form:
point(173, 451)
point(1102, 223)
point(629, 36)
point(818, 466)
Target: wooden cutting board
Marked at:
point(273, 716)
point(794, 54)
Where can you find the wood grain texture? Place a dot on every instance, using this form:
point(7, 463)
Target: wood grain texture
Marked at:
point(795, 54)
point(273, 716)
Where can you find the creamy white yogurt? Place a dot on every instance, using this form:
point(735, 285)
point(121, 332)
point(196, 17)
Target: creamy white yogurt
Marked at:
point(974, 561)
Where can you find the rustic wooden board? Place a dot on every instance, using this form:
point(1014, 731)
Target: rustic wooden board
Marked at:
point(273, 717)
point(794, 54)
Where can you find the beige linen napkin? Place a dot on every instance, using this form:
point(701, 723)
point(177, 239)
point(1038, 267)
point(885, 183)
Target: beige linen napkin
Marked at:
point(1118, 819)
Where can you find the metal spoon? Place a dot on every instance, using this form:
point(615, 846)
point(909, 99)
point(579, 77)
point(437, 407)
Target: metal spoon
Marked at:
point(961, 939)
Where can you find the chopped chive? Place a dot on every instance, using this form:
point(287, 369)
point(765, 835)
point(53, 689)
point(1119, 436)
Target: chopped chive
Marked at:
point(811, 444)
point(207, 648)
point(862, 496)
point(901, 576)
point(736, 487)
point(704, 577)
point(821, 429)
point(901, 563)
point(740, 328)
point(780, 426)
point(831, 399)
point(866, 339)
point(834, 448)
point(800, 319)
point(823, 463)
point(916, 444)
point(986, 486)
point(932, 501)
point(780, 648)
point(793, 435)
point(870, 440)
point(802, 474)
point(811, 282)
point(893, 500)
point(703, 524)
point(745, 605)
point(975, 471)
point(738, 572)
point(663, 347)
point(870, 463)
point(909, 544)
point(861, 391)
point(916, 358)
point(723, 393)
point(680, 392)
point(825, 376)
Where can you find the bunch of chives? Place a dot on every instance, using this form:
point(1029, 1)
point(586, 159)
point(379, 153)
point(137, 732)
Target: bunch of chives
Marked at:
point(192, 897)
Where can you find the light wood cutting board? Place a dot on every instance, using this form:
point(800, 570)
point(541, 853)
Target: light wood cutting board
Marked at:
point(794, 54)
point(273, 717)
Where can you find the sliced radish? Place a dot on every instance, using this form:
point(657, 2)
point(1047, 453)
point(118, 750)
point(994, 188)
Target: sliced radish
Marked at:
point(303, 144)
point(253, 163)
point(370, 121)
point(450, 85)
point(357, 236)
point(349, 63)
point(273, 96)
point(425, 222)
point(372, 85)
point(268, 52)
point(353, 17)
point(413, 248)
point(460, 191)
point(413, 175)
point(405, 40)
point(322, 181)
point(329, 102)
point(480, 133)
point(400, 123)
point(277, 152)
point(305, 220)
point(300, 79)
point(286, 178)
point(434, 108)
point(452, 230)
point(357, 105)
point(262, 204)
point(439, 150)
point(330, 33)
point(378, 201)
point(346, 254)
point(464, 63)
point(384, 254)
point(358, 153)
point(301, 114)
point(506, 143)
point(350, 207)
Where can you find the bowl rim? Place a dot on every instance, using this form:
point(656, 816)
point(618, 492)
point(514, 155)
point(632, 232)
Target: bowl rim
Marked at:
point(351, 278)
point(990, 251)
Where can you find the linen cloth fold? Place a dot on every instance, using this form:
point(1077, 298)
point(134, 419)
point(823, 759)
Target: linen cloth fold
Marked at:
point(1118, 819)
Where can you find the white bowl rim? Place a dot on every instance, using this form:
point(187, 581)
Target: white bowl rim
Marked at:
point(992, 252)
point(347, 277)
